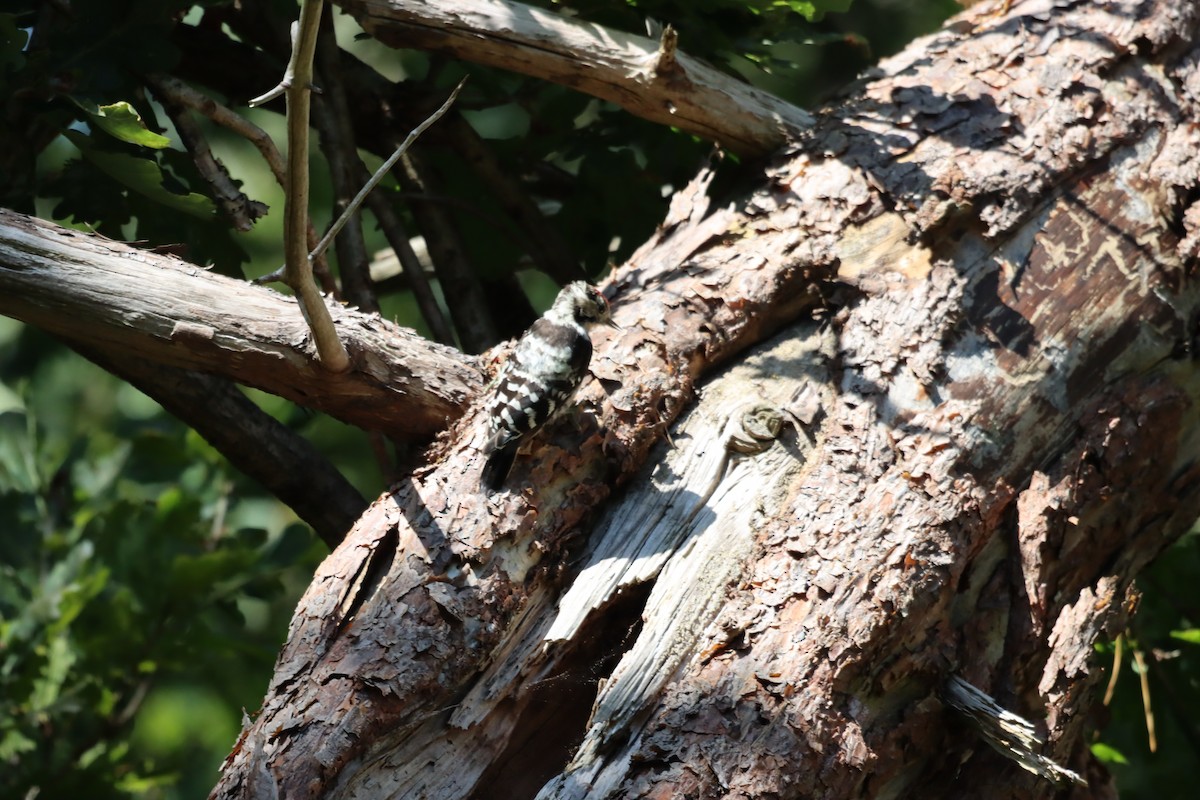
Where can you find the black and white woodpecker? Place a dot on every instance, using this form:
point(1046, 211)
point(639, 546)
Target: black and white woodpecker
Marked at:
point(545, 367)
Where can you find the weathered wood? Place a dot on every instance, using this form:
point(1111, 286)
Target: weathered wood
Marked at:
point(1008, 435)
point(648, 78)
point(144, 305)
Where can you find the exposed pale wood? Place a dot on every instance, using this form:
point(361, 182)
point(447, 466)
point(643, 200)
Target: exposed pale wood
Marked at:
point(982, 491)
point(698, 492)
point(116, 297)
point(412, 604)
point(620, 67)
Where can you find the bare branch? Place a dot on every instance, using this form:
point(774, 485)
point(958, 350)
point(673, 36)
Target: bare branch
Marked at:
point(297, 83)
point(184, 95)
point(179, 92)
point(649, 79)
point(166, 311)
point(460, 283)
point(386, 167)
point(238, 208)
point(262, 448)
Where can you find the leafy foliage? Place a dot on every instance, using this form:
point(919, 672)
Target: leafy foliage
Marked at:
point(1166, 637)
point(129, 564)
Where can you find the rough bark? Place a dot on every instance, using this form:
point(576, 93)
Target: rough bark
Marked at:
point(117, 298)
point(648, 78)
point(991, 430)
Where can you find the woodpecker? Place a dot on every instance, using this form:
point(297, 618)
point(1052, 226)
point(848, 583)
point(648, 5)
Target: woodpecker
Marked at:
point(546, 366)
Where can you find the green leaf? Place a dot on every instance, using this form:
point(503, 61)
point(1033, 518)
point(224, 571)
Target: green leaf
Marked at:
point(13, 743)
point(1108, 754)
point(1191, 635)
point(59, 660)
point(813, 10)
point(121, 121)
point(18, 467)
point(143, 176)
point(193, 576)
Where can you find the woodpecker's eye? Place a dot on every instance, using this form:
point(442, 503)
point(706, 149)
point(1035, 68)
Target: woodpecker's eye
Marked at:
point(599, 305)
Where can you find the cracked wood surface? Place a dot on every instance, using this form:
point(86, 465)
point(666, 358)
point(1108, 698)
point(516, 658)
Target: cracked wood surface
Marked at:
point(650, 79)
point(1011, 436)
point(111, 296)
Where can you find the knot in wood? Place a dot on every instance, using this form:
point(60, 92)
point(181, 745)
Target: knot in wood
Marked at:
point(761, 424)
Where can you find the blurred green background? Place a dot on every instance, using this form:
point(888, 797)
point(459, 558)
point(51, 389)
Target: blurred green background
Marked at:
point(145, 586)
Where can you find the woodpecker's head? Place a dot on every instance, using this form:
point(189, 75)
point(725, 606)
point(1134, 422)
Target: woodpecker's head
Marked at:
point(583, 304)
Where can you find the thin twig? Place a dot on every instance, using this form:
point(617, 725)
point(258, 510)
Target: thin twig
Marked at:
point(297, 81)
point(385, 169)
point(1118, 649)
point(331, 113)
point(238, 208)
point(171, 87)
point(1139, 658)
point(179, 92)
point(293, 65)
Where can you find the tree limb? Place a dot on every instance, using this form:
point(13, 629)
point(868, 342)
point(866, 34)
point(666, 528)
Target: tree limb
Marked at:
point(980, 490)
point(253, 441)
point(619, 67)
point(118, 298)
point(297, 85)
point(176, 91)
point(239, 209)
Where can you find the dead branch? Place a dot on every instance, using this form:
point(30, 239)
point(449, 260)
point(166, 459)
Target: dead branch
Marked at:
point(619, 67)
point(180, 93)
point(166, 311)
point(239, 209)
point(977, 490)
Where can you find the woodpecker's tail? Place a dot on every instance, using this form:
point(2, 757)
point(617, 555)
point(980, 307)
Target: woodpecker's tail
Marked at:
point(499, 462)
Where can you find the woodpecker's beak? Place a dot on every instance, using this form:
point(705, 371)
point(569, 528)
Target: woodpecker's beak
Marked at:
point(610, 322)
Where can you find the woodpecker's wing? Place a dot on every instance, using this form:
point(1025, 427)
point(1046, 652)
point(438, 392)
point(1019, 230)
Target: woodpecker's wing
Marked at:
point(544, 369)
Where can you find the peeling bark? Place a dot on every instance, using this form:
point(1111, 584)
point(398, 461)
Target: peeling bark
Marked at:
point(114, 297)
point(651, 79)
point(998, 433)
point(970, 288)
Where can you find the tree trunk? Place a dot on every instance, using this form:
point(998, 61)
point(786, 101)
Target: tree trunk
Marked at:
point(962, 312)
point(988, 430)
